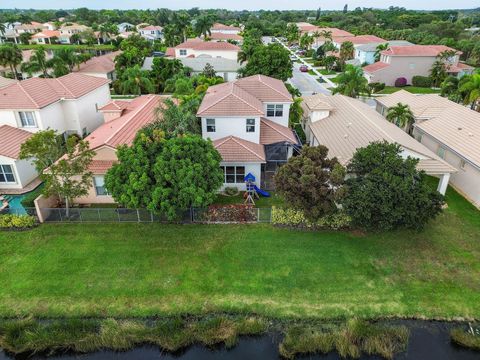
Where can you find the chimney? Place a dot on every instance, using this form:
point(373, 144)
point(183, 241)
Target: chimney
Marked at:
point(113, 110)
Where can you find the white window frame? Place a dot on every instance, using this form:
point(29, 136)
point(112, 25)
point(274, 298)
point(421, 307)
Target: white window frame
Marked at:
point(23, 115)
point(4, 173)
point(276, 108)
point(183, 52)
point(250, 125)
point(209, 127)
point(235, 174)
point(102, 186)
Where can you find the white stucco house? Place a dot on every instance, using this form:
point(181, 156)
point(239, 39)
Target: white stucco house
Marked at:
point(344, 124)
point(193, 48)
point(365, 53)
point(68, 104)
point(151, 32)
point(247, 120)
point(450, 130)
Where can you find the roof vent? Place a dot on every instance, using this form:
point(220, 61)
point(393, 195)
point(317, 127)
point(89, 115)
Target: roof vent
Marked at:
point(345, 136)
point(470, 134)
point(459, 128)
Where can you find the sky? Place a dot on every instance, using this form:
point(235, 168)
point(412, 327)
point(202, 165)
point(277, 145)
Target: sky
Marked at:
point(237, 4)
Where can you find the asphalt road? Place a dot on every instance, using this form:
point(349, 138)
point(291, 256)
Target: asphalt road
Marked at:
point(306, 83)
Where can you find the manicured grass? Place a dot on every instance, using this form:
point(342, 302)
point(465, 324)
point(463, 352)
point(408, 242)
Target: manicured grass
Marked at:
point(327, 72)
point(125, 270)
point(412, 89)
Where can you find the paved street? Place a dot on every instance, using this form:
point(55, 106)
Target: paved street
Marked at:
point(306, 83)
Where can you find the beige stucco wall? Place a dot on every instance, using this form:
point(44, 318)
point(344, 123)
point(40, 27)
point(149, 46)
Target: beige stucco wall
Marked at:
point(466, 180)
point(23, 170)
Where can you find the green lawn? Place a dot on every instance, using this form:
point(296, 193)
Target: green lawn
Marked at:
point(327, 72)
point(148, 269)
point(412, 89)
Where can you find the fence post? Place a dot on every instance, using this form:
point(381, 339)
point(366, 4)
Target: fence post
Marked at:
point(80, 215)
point(258, 215)
point(192, 214)
point(138, 216)
point(99, 218)
point(151, 216)
point(118, 214)
point(60, 212)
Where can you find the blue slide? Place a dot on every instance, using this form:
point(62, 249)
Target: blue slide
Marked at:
point(260, 191)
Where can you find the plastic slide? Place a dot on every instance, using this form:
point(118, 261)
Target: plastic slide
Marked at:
point(260, 191)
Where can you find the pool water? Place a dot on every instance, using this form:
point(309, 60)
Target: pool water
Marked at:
point(15, 204)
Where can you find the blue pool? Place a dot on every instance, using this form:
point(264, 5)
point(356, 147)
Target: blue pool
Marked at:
point(15, 204)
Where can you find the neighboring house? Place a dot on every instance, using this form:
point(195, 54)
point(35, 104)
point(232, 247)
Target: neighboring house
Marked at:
point(6, 81)
point(126, 34)
point(450, 130)
point(225, 68)
point(307, 28)
point(124, 27)
point(151, 32)
point(409, 61)
point(9, 32)
point(15, 174)
point(68, 104)
point(49, 26)
point(197, 47)
point(26, 54)
point(46, 37)
point(247, 120)
point(357, 40)
point(122, 120)
point(218, 36)
point(344, 124)
point(100, 66)
point(67, 31)
point(365, 53)
point(218, 28)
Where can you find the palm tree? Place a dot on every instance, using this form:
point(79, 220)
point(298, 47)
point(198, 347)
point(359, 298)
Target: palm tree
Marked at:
point(346, 51)
point(438, 73)
point(471, 87)
point(11, 55)
point(327, 34)
point(25, 38)
point(379, 49)
point(402, 116)
point(203, 25)
point(68, 57)
point(352, 82)
point(37, 63)
point(135, 81)
point(306, 41)
point(450, 89)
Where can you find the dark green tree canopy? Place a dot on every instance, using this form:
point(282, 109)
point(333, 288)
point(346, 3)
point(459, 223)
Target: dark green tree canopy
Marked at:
point(387, 192)
point(272, 60)
point(311, 182)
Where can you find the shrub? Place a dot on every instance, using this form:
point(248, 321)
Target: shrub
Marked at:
point(465, 338)
point(231, 191)
point(28, 200)
point(376, 86)
point(11, 221)
point(296, 218)
point(422, 81)
point(228, 213)
point(401, 82)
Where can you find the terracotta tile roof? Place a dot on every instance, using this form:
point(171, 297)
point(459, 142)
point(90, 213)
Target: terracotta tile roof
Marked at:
point(358, 40)
point(218, 26)
point(272, 132)
point(335, 31)
point(6, 81)
point(12, 139)
point(47, 34)
point(353, 124)
point(103, 64)
point(36, 93)
point(100, 166)
point(233, 149)
point(152, 27)
point(115, 105)
point(315, 103)
point(198, 44)
point(222, 36)
point(375, 67)
point(417, 50)
point(265, 88)
point(170, 52)
point(120, 131)
point(459, 67)
point(230, 100)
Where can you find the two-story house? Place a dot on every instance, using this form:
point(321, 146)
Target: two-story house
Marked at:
point(68, 104)
point(450, 130)
point(247, 120)
point(365, 53)
point(409, 61)
point(67, 31)
point(151, 32)
point(197, 47)
point(221, 32)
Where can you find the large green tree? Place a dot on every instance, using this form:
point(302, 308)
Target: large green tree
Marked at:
point(310, 182)
point(38, 63)
point(135, 81)
point(164, 69)
point(11, 56)
point(386, 191)
point(351, 82)
point(176, 119)
point(272, 60)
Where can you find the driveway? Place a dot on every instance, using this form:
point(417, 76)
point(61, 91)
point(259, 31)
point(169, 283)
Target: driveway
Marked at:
point(306, 83)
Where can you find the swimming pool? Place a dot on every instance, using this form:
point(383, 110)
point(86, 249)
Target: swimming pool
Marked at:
point(15, 204)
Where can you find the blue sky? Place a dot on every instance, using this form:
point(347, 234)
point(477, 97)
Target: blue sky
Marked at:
point(235, 4)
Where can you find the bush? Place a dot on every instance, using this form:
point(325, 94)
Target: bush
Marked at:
point(228, 213)
point(401, 82)
point(376, 86)
point(297, 219)
point(10, 221)
point(230, 191)
point(422, 81)
point(28, 200)
point(466, 339)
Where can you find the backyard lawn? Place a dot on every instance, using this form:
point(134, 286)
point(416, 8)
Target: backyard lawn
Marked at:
point(129, 270)
point(412, 89)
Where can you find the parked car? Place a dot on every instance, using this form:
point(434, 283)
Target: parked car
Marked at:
point(304, 68)
point(301, 52)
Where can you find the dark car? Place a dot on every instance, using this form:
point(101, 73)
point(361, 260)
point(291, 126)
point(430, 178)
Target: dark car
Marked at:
point(304, 68)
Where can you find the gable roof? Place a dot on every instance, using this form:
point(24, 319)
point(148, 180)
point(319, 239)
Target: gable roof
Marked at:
point(223, 36)
point(376, 66)
point(358, 40)
point(353, 124)
point(371, 47)
point(12, 139)
point(121, 131)
point(46, 34)
point(243, 97)
point(103, 64)
point(199, 44)
point(272, 132)
point(218, 26)
point(36, 93)
point(417, 50)
point(6, 81)
point(234, 149)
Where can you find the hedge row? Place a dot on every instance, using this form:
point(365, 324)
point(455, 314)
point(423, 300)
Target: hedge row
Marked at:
point(296, 219)
point(10, 221)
